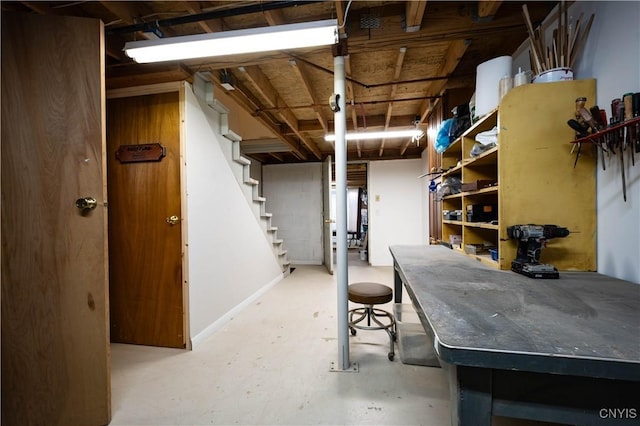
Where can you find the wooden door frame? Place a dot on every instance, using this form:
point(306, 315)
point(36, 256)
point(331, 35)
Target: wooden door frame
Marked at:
point(154, 89)
point(327, 235)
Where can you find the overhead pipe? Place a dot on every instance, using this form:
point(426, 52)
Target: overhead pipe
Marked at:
point(204, 16)
point(382, 101)
point(369, 86)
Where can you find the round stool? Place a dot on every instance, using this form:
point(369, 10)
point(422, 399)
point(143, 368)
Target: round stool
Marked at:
point(370, 294)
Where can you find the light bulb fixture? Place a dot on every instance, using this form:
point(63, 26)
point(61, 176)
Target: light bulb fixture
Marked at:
point(386, 134)
point(279, 37)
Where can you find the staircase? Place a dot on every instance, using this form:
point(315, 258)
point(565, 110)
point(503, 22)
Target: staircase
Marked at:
point(253, 195)
point(240, 166)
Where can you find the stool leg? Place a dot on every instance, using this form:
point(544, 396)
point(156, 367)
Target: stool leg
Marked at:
point(390, 329)
point(372, 314)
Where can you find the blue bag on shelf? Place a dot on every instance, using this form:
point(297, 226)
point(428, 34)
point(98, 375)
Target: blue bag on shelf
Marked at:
point(443, 140)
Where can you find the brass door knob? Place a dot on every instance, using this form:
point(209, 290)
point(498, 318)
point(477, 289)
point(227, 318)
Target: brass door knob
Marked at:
point(86, 203)
point(172, 220)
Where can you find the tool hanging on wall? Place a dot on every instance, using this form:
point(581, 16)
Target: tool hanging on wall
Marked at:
point(585, 123)
point(433, 185)
point(621, 133)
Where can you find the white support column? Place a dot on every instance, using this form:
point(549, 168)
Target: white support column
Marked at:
point(340, 117)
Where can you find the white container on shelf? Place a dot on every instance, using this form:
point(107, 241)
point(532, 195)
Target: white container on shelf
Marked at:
point(488, 75)
point(522, 77)
point(554, 74)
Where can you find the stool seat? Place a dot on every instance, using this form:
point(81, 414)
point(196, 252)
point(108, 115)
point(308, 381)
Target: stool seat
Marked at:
point(370, 293)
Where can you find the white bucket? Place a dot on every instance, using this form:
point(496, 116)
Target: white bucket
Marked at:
point(488, 75)
point(554, 74)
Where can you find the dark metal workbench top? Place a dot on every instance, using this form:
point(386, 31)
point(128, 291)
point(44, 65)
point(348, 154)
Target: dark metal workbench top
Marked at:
point(583, 323)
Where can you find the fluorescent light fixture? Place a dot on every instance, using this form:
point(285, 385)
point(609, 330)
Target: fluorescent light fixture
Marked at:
point(388, 134)
point(280, 37)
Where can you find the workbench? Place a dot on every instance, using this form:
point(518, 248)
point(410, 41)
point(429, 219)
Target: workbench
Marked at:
point(565, 350)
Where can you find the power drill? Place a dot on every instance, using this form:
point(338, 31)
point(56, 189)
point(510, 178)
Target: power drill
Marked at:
point(531, 240)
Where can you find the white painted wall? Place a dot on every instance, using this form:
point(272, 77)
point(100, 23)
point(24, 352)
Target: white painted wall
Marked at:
point(230, 261)
point(612, 56)
point(294, 197)
point(396, 212)
point(424, 195)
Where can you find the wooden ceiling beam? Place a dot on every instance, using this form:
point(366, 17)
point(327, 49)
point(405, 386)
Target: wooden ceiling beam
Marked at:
point(488, 8)
point(39, 7)
point(303, 74)
point(376, 122)
point(448, 25)
point(454, 54)
point(394, 88)
point(261, 84)
point(194, 8)
point(276, 17)
point(249, 105)
point(277, 156)
point(126, 12)
point(414, 14)
point(247, 100)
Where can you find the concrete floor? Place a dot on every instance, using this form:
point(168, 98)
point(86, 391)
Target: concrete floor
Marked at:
point(271, 365)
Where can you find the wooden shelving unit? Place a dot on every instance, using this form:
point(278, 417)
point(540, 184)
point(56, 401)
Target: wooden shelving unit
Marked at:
point(536, 182)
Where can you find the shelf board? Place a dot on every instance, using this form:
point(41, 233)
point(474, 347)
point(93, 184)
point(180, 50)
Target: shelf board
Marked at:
point(487, 190)
point(481, 124)
point(489, 157)
point(483, 225)
point(452, 171)
point(454, 149)
point(452, 222)
point(485, 258)
point(449, 197)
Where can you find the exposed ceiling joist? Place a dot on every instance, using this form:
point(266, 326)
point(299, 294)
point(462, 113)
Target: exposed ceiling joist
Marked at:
point(488, 8)
point(261, 84)
point(415, 13)
point(194, 8)
point(303, 73)
point(444, 41)
point(394, 88)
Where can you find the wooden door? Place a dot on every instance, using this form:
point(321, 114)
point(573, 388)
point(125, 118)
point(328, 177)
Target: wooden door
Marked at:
point(146, 292)
point(55, 341)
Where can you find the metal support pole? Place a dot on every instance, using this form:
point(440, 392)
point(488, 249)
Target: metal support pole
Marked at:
point(341, 212)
